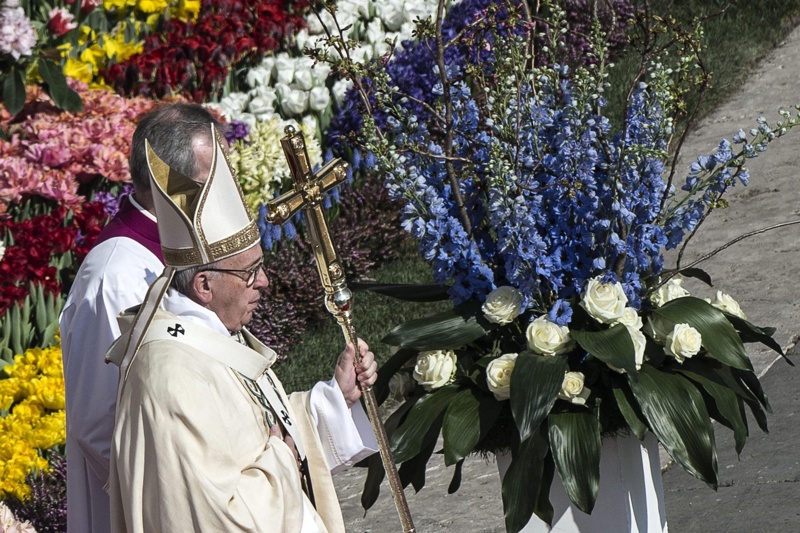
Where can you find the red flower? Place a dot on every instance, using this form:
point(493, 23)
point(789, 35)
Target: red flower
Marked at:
point(60, 21)
point(194, 59)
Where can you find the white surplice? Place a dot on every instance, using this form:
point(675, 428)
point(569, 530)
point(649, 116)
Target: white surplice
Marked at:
point(191, 448)
point(113, 277)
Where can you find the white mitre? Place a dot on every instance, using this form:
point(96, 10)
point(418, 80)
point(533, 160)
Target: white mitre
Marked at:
point(200, 223)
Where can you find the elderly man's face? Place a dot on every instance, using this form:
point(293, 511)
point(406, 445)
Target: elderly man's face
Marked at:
point(232, 300)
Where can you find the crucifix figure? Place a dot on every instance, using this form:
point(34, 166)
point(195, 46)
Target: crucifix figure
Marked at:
point(307, 194)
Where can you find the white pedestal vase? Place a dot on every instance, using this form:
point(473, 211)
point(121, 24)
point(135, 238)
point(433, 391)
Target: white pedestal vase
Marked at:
point(630, 498)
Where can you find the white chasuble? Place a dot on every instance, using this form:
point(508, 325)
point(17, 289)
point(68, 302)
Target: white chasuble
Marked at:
point(191, 448)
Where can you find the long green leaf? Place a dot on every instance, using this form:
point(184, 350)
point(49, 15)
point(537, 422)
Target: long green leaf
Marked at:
point(455, 482)
point(726, 402)
point(413, 470)
point(389, 369)
point(677, 414)
point(751, 333)
point(629, 409)
point(422, 424)
point(14, 92)
point(719, 337)
point(448, 329)
point(375, 470)
point(522, 484)
point(535, 383)
point(575, 445)
point(64, 97)
point(469, 418)
point(612, 346)
point(754, 385)
point(408, 293)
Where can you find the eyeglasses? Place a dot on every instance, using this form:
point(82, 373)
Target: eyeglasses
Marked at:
point(252, 273)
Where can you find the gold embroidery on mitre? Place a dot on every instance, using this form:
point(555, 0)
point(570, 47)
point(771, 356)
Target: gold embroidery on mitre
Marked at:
point(185, 257)
point(237, 242)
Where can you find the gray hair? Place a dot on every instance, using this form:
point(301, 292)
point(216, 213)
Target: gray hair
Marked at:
point(182, 280)
point(170, 130)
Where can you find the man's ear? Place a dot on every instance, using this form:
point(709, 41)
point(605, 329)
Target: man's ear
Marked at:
point(201, 287)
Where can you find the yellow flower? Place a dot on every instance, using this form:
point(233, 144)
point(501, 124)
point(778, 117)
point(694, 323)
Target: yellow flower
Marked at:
point(94, 56)
point(118, 4)
point(117, 50)
point(78, 70)
point(153, 6)
point(186, 10)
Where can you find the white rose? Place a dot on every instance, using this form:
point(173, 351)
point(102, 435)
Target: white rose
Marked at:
point(258, 76)
point(284, 68)
point(572, 388)
point(669, 291)
point(435, 369)
point(319, 98)
point(658, 327)
point(498, 375)
point(303, 80)
point(415, 10)
point(502, 305)
point(604, 301)
point(362, 53)
point(234, 103)
point(639, 343)
point(630, 319)
point(724, 302)
point(401, 385)
point(379, 49)
point(293, 102)
point(548, 338)
point(406, 32)
point(683, 341)
point(340, 89)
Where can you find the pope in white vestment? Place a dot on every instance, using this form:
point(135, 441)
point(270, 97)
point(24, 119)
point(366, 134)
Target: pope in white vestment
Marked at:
point(192, 447)
point(205, 438)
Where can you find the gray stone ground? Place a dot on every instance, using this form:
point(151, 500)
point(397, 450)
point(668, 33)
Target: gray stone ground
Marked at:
point(758, 491)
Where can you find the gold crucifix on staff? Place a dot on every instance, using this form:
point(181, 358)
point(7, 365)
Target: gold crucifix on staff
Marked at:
point(307, 193)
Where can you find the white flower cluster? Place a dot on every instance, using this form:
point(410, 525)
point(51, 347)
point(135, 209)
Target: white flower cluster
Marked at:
point(260, 165)
point(9, 524)
point(294, 86)
point(17, 37)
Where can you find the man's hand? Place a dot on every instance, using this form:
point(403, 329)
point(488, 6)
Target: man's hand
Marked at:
point(351, 377)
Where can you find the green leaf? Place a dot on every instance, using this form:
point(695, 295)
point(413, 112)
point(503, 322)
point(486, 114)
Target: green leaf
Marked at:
point(448, 329)
point(409, 293)
point(389, 369)
point(751, 333)
point(375, 471)
point(418, 428)
point(677, 414)
point(523, 482)
point(468, 419)
point(455, 482)
point(14, 91)
point(719, 337)
point(413, 470)
point(64, 97)
point(612, 346)
point(751, 381)
point(630, 411)
point(726, 403)
point(697, 273)
point(535, 383)
point(575, 445)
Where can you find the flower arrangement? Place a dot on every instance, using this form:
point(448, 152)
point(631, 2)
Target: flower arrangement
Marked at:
point(32, 417)
point(548, 225)
point(194, 59)
point(29, 36)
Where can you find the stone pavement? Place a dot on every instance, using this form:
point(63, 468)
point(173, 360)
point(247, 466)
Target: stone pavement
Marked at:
point(760, 490)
